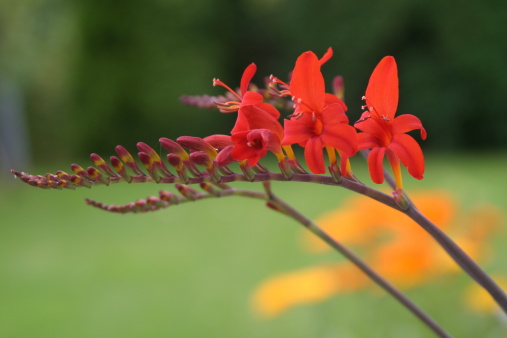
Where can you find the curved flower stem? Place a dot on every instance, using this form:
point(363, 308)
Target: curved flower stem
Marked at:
point(456, 253)
point(389, 288)
point(459, 256)
point(276, 203)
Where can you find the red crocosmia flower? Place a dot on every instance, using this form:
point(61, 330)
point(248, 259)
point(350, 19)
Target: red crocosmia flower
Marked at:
point(307, 86)
point(385, 134)
point(252, 145)
point(246, 100)
point(266, 133)
point(319, 119)
point(313, 132)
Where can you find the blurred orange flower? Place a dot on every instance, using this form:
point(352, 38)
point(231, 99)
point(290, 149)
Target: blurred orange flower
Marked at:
point(390, 242)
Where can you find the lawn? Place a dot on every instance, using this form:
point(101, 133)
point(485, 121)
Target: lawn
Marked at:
point(68, 270)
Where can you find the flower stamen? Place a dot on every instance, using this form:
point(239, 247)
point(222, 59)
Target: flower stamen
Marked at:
point(217, 82)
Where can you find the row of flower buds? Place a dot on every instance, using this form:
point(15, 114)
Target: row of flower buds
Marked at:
point(164, 199)
point(202, 152)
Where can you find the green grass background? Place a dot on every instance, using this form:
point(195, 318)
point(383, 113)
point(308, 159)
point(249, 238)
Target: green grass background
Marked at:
point(69, 270)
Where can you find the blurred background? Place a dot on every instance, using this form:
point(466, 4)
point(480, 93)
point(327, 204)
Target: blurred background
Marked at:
point(87, 75)
point(78, 77)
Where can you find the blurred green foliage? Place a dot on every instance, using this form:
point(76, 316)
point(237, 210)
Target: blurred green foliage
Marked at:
point(68, 270)
point(100, 73)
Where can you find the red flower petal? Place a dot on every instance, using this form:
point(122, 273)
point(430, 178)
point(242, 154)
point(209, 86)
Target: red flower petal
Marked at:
point(247, 77)
point(331, 98)
point(268, 108)
point(243, 151)
point(313, 155)
point(410, 154)
point(297, 130)
point(253, 144)
point(251, 98)
point(307, 82)
point(241, 123)
point(382, 90)
point(407, 122)
point(270, 139)
point(327, 55)
point(334, 113)
point(367, 141)
point(260, 119)
point(340, 136)
point(376, 164)
point(240, 136)
point(376, 127)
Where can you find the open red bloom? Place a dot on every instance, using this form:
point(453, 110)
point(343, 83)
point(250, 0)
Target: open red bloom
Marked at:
point(248, 103)
point(319, 119)
point(307, 84)
point(329, 128)
point(257, 128)
point(252, 145)
point(385, 134)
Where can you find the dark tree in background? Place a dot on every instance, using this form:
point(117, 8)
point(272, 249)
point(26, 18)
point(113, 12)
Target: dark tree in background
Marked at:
point(98, 73)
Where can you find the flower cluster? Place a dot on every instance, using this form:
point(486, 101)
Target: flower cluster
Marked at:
point(318, 120)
